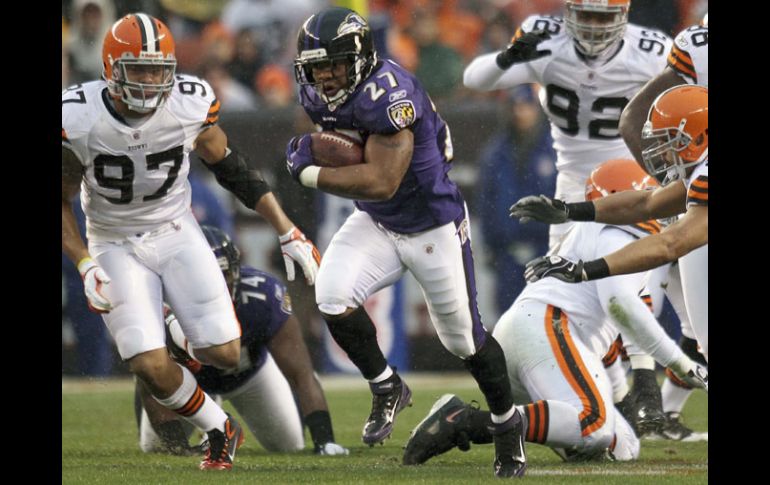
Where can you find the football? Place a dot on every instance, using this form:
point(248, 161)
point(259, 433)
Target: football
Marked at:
point(332, 149)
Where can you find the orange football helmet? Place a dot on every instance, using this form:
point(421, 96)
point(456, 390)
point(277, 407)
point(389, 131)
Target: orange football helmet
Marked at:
point(678, 126)
point(617, 175)
point(595, 25)
point(139, 61)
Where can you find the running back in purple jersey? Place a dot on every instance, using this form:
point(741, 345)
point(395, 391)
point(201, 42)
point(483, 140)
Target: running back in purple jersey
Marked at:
point(262, 306)
point(389, 100)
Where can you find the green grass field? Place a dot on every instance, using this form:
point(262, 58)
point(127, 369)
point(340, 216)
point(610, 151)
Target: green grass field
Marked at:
point(99, 445)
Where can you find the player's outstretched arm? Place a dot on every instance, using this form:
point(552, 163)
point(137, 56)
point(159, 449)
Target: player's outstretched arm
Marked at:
point(635, 113)
point(507, 68)
point(233, 173)
point(625, 207)
point(291, 355)
point(686, 234)
point(94, 278)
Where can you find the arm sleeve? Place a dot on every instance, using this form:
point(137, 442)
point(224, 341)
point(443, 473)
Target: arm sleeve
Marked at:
point(619, 297)
point(484, 75)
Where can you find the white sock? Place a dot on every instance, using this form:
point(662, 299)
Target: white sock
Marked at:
point(194, 405)
point(674, 397)
point(501, 418)
point(617, 375)
point(642, 361)
point(385, 374)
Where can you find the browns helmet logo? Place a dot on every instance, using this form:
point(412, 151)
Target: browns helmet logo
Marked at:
point(401, 114)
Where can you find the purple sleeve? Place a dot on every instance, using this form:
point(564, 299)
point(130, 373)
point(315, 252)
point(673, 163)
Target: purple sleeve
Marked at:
point(388, 102)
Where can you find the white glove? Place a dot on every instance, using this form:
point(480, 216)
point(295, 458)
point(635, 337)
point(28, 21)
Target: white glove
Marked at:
point(94, 282)
point(296, 247)
point(692, 373)
point(332, 449)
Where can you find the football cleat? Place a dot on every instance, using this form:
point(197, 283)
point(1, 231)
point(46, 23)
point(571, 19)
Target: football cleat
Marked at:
point(389, 397)
point(510, 457)
point(221, 446)
point(439, 432)
point(647, 410)
point(675, 430)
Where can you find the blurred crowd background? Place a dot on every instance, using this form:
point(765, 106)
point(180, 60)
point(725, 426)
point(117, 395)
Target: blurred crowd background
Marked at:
point(244, 49)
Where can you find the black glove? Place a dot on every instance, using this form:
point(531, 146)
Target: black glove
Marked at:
point(551, 211)
point(523, 49)
point(540, 208)
point(556, 267)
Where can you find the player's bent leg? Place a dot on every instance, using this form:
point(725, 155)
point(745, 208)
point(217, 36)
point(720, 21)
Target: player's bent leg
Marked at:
point(572, 395)
point(195, 288)
point(340, 294)
point(266, 405)
point(446, 276)
point(225, 356)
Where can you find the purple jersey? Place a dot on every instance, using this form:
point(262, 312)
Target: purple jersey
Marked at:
point(389, 100)
point(262, 306)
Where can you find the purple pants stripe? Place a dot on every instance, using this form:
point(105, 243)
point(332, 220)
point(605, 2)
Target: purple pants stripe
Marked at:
point(479, 332)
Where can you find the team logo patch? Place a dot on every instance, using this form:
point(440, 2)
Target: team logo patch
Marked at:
point(401, 114)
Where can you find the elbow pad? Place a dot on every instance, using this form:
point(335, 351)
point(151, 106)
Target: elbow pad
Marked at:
point(234, 174)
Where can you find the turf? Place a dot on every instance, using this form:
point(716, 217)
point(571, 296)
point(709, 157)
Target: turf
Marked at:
point(99, 445)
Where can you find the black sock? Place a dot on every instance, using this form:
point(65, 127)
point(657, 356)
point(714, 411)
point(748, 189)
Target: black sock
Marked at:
point(320, 425)
point(489, 369)
point(690, 348)
point(357, 336)
point(478, 427)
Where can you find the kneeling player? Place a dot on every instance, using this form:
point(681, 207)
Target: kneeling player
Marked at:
point(554, 337)
point(274, 362)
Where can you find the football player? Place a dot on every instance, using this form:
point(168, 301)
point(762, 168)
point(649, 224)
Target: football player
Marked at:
point(589, 63)
point(554, 336)
point(126, 141)
point(677, 126)
point(410, 216)
point(274, 364)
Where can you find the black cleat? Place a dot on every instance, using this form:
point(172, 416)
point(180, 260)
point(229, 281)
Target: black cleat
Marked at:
point(439, 432)
point(675, 430)
point(510, 457)
point(647, 415)
point(389, 397)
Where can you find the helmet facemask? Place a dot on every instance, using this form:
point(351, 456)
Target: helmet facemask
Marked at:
point(595, 28)
point(127, 82)
point(351, 46)
point(663, 158)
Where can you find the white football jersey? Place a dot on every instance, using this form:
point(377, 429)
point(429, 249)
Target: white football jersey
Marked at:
point(582, 101)
point(698, 185)
point(689, 55)
point(135, 177)
point(582, 302)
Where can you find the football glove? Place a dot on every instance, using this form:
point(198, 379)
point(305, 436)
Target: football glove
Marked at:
point(691, 372)
point(540, 208)
point(298, 155)
point(331, 449)
point(523, 49)
point(555, 267)
point(296, 247)
point(94, 282)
